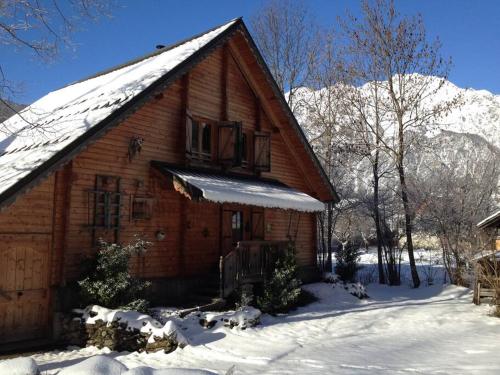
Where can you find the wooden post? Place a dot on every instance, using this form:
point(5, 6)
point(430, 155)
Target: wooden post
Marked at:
point(67, 183)
point(221, 276)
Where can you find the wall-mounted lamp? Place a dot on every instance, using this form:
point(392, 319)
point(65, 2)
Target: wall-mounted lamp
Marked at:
point(160, 235)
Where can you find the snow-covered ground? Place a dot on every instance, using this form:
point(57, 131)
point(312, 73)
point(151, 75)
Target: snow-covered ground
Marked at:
point(431, 330)
point(429, 265)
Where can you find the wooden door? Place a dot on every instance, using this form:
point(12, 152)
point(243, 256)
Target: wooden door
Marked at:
point(236, 226)
point(24, 287)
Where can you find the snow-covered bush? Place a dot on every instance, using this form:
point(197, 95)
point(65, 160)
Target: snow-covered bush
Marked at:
point(107, 281)
point(356, 289)
point(282, 290)
point(243, 318)
point(347, 261)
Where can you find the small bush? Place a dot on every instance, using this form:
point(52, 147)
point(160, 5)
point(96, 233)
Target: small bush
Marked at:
point(347, 261)
point(107, 281)
point(282, 290)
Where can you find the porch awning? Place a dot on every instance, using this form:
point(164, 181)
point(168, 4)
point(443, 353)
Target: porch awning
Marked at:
point(219, 187)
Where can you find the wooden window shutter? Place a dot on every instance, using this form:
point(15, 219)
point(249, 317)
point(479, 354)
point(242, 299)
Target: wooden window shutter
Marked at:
point(189, 134)
point(262, 151)
point(257, 225)
point(229, 143)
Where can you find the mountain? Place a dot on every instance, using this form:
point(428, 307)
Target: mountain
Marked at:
point(467, 134)
point(478, 112)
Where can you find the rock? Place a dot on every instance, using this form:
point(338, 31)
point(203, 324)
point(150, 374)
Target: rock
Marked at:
point(166, 343)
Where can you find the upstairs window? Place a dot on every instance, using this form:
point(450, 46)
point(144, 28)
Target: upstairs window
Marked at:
point(198, 139)
point(225, 143)
point(230, 143)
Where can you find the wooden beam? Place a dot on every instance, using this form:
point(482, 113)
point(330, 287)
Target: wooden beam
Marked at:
point(183, 236)
point(65, 222)
point(258, 114)
point(185, 111)
point(224, 84)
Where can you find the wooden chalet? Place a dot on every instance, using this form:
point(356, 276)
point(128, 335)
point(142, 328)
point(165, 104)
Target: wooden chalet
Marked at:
point(192, 147)
point(487, 267)
point(491, 224)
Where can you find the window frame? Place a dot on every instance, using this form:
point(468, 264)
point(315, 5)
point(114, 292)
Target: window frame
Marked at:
point(148, 211)
point(240, 225)
point(236, 128)
point(195, 152)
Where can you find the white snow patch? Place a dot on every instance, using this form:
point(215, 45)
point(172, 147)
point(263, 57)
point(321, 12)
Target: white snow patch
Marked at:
point(430, 330)
point(19, 366)
point(97, 365)
point(142, 370)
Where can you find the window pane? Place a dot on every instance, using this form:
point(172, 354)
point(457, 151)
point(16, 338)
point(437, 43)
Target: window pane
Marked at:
point(206, 135)
point(244, 148)
point(194, 136)
point(237, 226)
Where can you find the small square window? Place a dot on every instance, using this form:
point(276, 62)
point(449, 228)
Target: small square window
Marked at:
point(142, 208)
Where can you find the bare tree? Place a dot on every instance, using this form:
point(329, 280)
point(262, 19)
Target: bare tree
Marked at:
point(454, 182)
point(41, 28)
point(286, 35)
point(413, 71)
point(319, 109)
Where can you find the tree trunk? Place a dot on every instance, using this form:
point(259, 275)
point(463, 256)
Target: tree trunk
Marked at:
point(408, 225)
point(328, 266)
point(381, 274)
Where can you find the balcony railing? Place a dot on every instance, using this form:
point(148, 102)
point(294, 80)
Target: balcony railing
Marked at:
point(249, 262)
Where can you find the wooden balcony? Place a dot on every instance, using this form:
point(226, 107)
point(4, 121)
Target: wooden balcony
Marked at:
point(250, 262)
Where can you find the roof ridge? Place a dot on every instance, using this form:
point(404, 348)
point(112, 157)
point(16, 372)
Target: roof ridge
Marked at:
point(150, 54)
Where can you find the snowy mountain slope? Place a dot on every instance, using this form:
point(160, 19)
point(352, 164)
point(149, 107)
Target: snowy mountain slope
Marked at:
point(470, 131)
point(479, 112)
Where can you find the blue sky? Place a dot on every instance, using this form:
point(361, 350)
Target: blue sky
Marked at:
point(469, 30)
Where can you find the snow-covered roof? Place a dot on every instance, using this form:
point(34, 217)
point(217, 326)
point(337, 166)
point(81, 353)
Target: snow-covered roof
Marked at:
point(225, 188)
point(490, 220)
point(60, 119)
point(483, 255)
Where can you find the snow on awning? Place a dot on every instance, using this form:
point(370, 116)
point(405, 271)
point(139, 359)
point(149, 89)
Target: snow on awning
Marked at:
point(222, 188)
